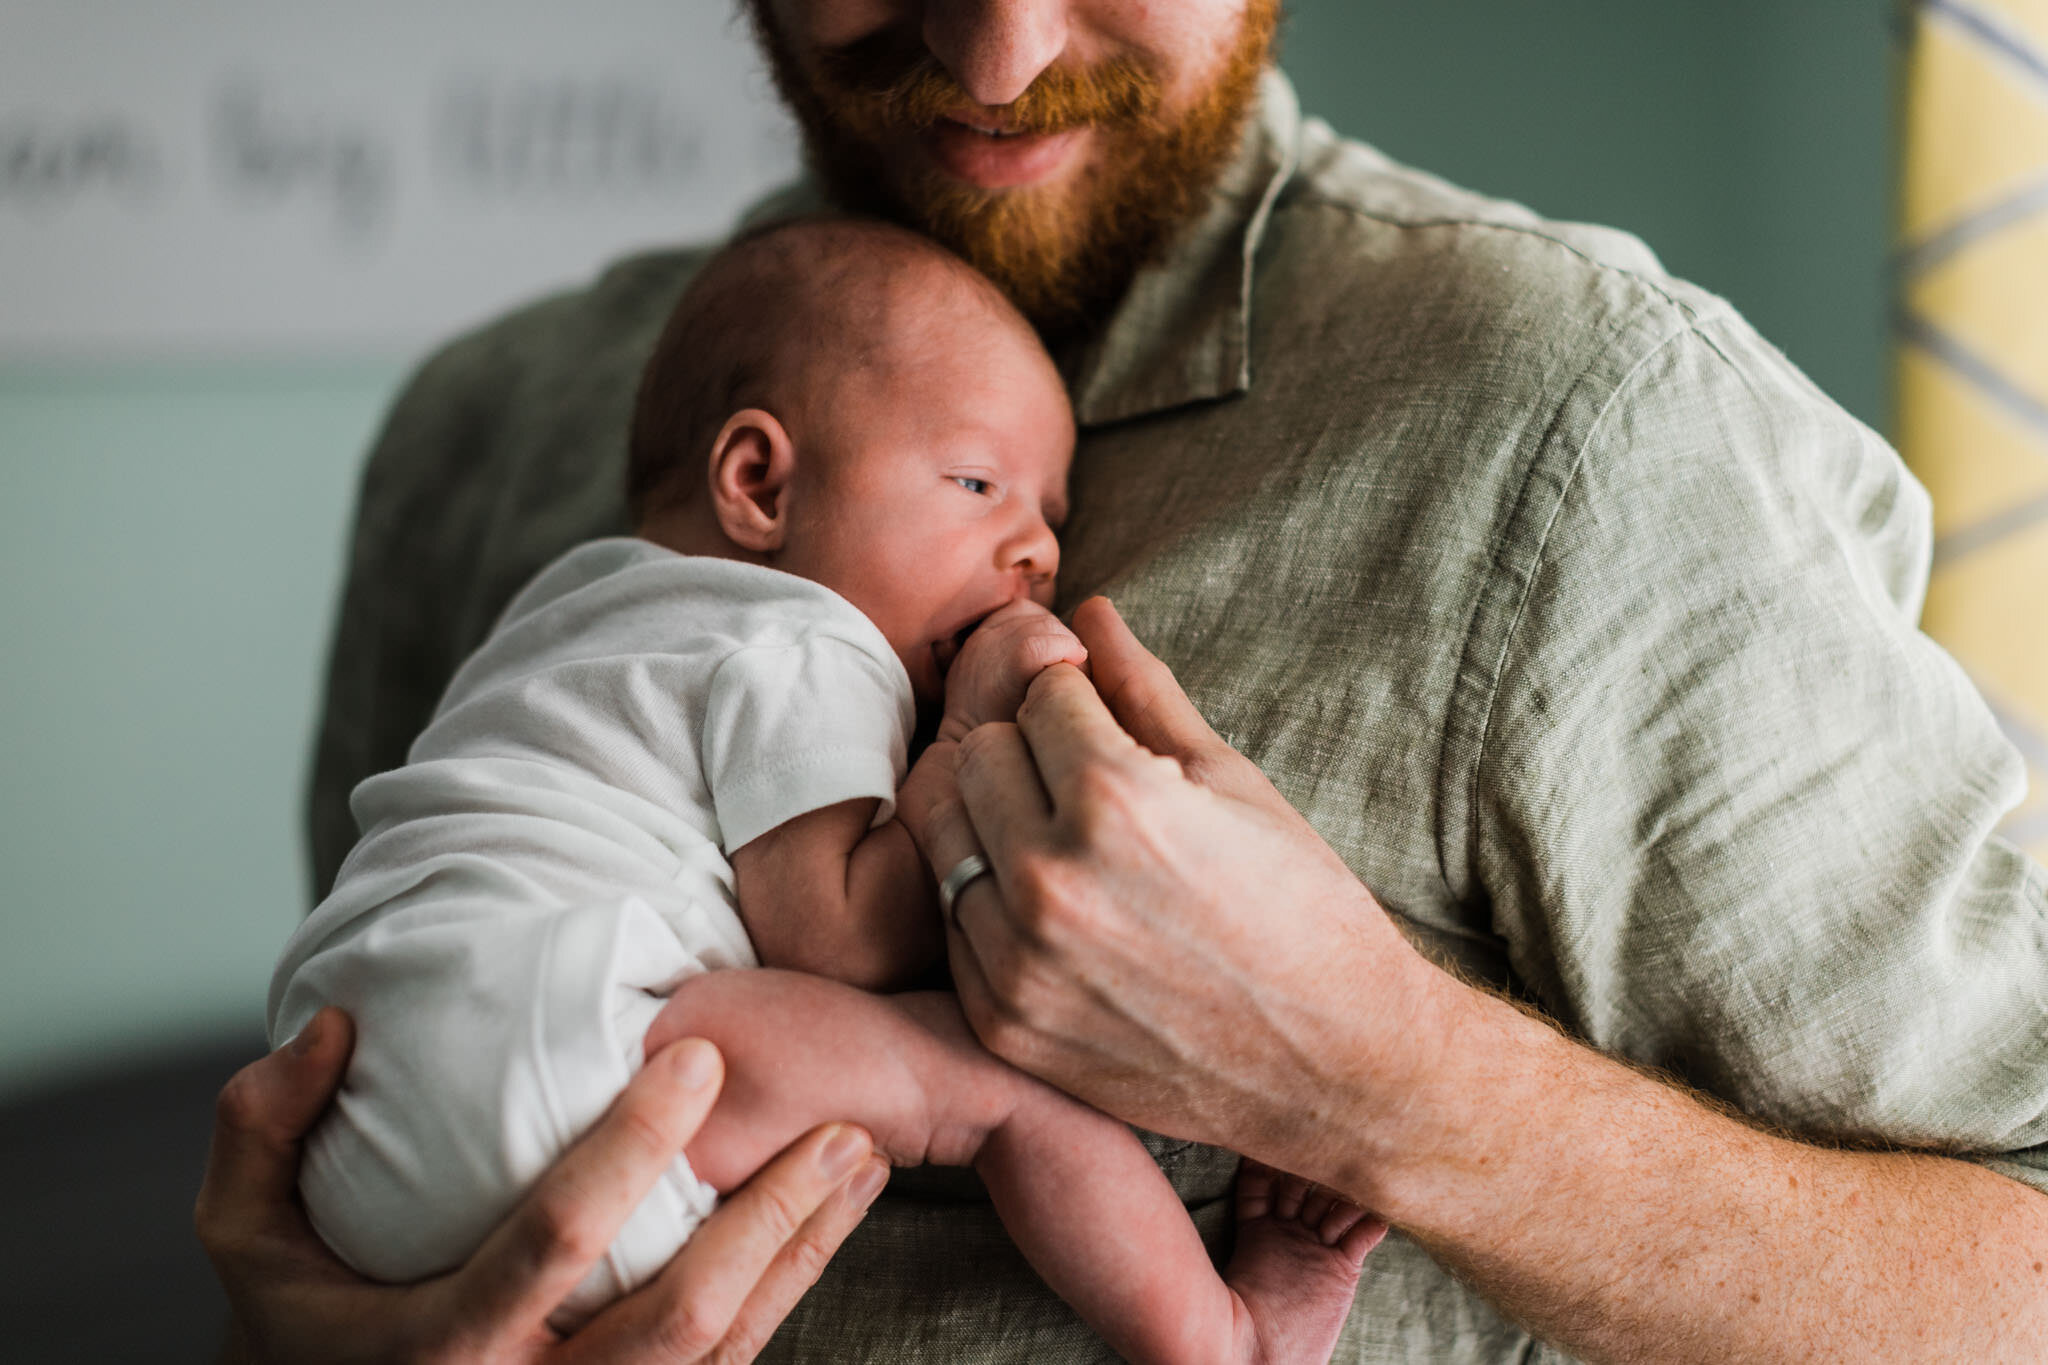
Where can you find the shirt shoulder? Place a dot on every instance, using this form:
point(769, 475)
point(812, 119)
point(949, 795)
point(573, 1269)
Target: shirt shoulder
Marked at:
point(497, 404)
point(1381, 254)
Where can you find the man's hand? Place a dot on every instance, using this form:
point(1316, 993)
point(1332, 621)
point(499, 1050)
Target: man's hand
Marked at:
point(1013, 645)
point(1166, 939)
point(719, 1299)
point(1165, 936)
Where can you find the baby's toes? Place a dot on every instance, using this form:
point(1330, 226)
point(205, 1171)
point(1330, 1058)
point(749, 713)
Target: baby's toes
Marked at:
point(1289, 1193)
point(1254, 1189)
point(1315, 1206)
point(1338, 1221)
point(1352, 1231)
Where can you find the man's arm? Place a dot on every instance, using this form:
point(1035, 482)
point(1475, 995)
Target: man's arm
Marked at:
point(1616, 1215)
point(828, 895)
point(1628, 1220)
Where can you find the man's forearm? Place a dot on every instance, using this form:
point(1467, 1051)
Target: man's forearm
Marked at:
point(1624, 1219)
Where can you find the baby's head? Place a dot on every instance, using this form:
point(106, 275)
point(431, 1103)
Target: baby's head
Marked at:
point(846, 401)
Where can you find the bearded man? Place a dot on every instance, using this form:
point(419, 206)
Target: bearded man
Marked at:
point(1575, 624)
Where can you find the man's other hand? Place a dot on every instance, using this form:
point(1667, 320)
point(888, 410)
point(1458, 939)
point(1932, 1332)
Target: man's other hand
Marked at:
point(719, 1299)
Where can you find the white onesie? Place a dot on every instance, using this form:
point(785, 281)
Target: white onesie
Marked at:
point(548, 866)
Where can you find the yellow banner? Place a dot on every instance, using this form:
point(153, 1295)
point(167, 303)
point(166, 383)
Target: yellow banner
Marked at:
point(1973, 356)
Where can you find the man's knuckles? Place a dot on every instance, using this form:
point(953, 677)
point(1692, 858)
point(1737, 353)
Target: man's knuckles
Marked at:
point(689, 1327)
point(1103, 802)
point(1042, 890)
point(246, 1110)
point(555, 1228)
point(1060, 698)
point(979, 751)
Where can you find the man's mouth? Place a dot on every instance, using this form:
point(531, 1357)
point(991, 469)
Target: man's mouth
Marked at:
point(987, 128)
point(992, 156)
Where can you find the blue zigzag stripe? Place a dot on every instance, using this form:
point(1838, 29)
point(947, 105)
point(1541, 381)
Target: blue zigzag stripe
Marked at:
point(1915, 261)
point(1989, 31)
point(1961, 544)
point(2028, 410)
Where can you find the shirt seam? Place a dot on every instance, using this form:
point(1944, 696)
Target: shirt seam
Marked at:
point(1693, 315)
point(1535, 563)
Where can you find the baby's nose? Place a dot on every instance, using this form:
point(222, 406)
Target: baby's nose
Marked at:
point(1035, 552)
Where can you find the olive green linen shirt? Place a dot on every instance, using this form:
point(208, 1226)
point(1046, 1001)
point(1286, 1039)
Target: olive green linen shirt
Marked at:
point(1571, 614)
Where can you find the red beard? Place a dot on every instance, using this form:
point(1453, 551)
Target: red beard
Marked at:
point(1063, 253)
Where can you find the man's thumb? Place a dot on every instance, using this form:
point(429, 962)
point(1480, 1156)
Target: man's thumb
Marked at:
point(263, 1111)
point(1139, 690)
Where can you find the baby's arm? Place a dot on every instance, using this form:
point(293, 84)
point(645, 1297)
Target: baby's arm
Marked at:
point(825, 894)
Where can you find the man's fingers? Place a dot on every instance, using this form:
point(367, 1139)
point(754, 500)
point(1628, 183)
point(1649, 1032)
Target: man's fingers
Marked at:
point(694, 1305)
point(1070, 731)
point(1139, 690)
point(1148, 702)
point(263, 1111)
point(1004, 803)
point(934, 812)
point(536, 1256)
point(802, 1259)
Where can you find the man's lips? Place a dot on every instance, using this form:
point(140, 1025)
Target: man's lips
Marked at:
point(991, 159)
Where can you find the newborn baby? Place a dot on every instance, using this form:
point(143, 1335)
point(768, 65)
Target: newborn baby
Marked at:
point(682, 752)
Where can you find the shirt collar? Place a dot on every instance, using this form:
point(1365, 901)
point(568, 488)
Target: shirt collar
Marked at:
point(1182, 333)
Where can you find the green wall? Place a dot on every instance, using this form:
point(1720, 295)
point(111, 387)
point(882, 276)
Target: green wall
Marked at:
point(1748, 141)
point(170, 537)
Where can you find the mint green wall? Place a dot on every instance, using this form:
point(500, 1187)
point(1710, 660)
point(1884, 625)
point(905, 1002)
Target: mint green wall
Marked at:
point(170, 536)
point(169, 543)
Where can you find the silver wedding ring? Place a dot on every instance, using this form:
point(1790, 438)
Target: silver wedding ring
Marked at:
point(954, 882)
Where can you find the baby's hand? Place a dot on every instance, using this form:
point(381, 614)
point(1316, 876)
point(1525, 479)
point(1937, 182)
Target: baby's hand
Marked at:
point(1013, 645)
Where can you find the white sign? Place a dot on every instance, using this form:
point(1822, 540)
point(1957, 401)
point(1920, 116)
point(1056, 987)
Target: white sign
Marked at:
point(244, 177)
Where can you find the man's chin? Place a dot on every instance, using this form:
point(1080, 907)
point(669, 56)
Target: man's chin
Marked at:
point(1035, 243)
point(1065, 246)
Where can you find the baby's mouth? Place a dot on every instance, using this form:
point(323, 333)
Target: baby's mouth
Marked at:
point(946, 650)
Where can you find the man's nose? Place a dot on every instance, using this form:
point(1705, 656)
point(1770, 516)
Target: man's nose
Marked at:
point(995, 48)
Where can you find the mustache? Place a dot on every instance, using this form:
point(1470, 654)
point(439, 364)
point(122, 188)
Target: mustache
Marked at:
point(890, 82)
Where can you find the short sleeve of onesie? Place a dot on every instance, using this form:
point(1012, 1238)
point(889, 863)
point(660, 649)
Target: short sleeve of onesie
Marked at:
point(793, 728)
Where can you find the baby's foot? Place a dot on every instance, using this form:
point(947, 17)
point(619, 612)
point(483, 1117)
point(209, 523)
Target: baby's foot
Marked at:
point(1299, 1252)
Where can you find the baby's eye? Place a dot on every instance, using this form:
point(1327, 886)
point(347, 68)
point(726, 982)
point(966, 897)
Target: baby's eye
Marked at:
point(972, 484)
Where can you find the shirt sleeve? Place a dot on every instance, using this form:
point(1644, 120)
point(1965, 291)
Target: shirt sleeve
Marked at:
point(789, 729)
point(391, 651)
point(1734, 811)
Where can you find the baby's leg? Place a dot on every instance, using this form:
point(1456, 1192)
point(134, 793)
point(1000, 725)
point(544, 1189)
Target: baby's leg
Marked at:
point(1097, 1219)
point(1075, 1188)
point(801, 1050)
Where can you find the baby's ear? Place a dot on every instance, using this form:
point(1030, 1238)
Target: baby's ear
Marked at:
point(752, 462)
